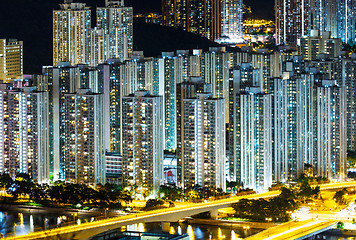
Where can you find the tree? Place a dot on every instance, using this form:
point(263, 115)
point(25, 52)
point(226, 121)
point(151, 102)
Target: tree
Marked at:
point(339, 196)
point(172, 193)
point(153, 203)
point(23, 185)
point(306, 191)
point(5, 181)
point(278, 208)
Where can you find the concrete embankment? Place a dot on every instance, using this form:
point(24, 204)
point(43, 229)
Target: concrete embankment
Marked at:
point(228, 223)
point(339, 232)
point(52, 210)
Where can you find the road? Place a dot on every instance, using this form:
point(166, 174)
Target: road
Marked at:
point(163, 215)
point(293, 230)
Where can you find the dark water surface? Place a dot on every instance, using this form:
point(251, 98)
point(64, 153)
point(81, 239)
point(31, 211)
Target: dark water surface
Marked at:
point(23, 222)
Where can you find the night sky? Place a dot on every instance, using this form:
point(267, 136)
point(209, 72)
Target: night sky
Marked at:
point(31, 22)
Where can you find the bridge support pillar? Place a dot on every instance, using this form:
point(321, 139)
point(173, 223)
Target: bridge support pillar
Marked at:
point(214, 214)
point(166, 227)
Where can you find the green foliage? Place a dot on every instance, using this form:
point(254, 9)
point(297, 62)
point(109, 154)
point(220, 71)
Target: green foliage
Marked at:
point(197, 193)
point(351, 158)
point(64, 193)
point(5, 180)
point(276, 186)
point(278, 208)
point(170, 193)
point(312, 179)
point(102, 196)
point(24, 186)
point(306, 192)
point(153, 204)
point(339, 196)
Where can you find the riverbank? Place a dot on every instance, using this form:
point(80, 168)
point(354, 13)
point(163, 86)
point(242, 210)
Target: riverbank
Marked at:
point(56, 210)
point(340, 232)
point(229, 223)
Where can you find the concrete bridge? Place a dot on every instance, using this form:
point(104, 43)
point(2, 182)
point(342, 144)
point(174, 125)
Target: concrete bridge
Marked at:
point(87, 230)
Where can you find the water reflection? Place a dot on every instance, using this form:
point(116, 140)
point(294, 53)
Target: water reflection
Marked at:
point(21, 223)
point(190, 233)
point(32, 226)
point(197, 232)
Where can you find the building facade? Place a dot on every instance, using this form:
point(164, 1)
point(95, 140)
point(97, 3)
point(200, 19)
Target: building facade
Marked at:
point(11, 60)
point(254, 139)
point(202, 151)
point(83, 148)
point(24, 136)
point(143, 142)
point(71, 33)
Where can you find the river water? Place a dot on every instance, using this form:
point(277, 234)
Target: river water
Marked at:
point(21, 223)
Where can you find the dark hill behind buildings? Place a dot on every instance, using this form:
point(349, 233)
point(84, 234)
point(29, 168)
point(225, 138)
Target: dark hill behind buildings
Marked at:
point(31, 22)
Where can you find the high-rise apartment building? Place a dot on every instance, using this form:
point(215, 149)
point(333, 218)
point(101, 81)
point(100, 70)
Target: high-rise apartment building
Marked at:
point(296, 18)
point(58, 81)
point(24, 141)
point(202, 149)
point(338, 17)
point(293, 20)
point(305, 116)
point(109, 76)
point(83, 146)
point(75, 41)
point(231, 20)
point(138, 74)
point(186, 90)
point(243, 77)
point(71, 33)
point(215, 71)
point(254, 139)
point(314, 44)
point(116, 21)
point(201, 17)
point(11, 60)
point(168, 80)
point(330, 157)
point(286, 166)
point(142, 142)
point(349, 76)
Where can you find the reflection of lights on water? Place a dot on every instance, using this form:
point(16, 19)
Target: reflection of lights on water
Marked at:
point(21, 219)
point(179, 230)
point(233, 236)
point(32, 227)
point(171, 230)
point(141, 227)
point(79, 221)
point(132, 227)
point(220, 235)
point(190, 232)
point(199, 233)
